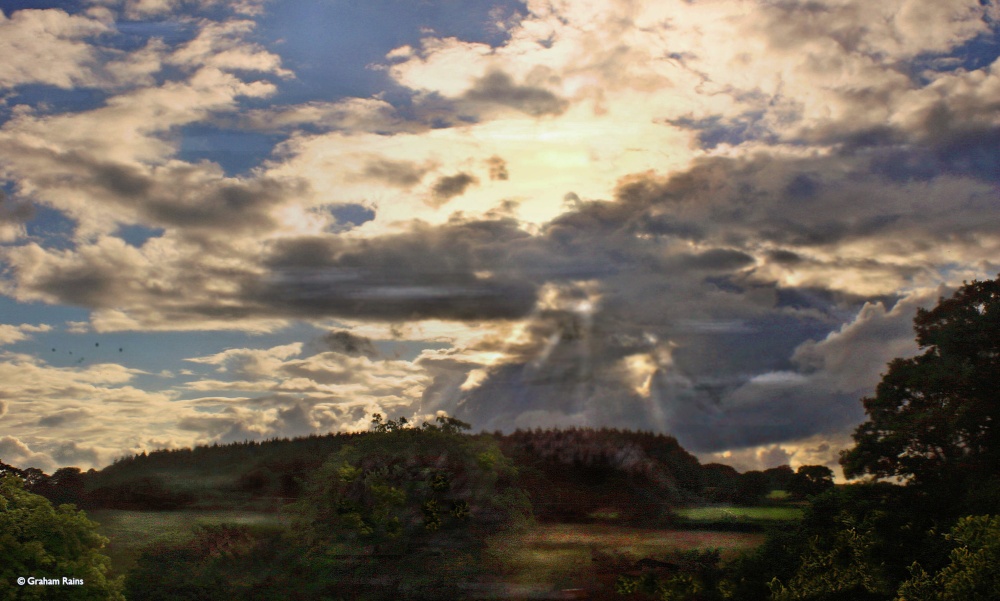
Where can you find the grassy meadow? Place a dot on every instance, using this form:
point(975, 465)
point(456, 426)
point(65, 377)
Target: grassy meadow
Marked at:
point(566, 556)
point(761, 514)
point(548, 557)
point(130, 532)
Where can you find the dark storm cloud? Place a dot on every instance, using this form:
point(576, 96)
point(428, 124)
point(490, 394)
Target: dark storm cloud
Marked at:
point(450, 186)
point(743, 368)
point(344, 342)
point(718, 259)
point(785, 415)
point(324, 375)
point(370, 295)
point(430, 272)
point(973, 153)
point(666, 316)
point(496, 87)
point(818, 394)
point(785, 257)
point(813, 202)
point(177, 196)
point(191, 197)
point(402, 174)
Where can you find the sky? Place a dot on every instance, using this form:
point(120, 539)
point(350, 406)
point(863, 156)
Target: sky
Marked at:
point(227, 221)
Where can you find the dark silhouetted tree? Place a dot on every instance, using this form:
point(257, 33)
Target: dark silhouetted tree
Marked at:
point(779, 477)
point(934, 418)
point(811, 480)
point(751, 487)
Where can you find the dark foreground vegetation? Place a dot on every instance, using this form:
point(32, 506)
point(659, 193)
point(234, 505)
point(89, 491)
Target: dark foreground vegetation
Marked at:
point(431, 512)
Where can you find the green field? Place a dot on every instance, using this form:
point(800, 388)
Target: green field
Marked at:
point(737, 514)
point(549, 556)
point(563, 555)
point(131, 531)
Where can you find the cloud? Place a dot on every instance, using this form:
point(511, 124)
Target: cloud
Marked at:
point(420, 274)
point(498, 88)
point(342, 341)
point(75, 454)
point(761, 196)
point(291, 395)
point(10, 334)
point(68, 162)
point(13, 216)
point(222, 45)
point(498, 168)
point(16, 453)
point(64, 417)
point(404, 174)
point(98, 408)
point(450, 186)
point(145, 9)
point(355, 115)
point(820, 396)
point(251, 364)
point(48, 47)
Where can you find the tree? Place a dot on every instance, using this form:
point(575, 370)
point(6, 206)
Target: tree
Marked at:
point(779, 477)
point(751, 487)
point(410, 512)
point(934, 417)
point(37, 539)
point(811, 480)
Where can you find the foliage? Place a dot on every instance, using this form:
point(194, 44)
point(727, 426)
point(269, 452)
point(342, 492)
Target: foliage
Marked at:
point(748, 576)
point(854, 542)
point(934, 418)
point(572, 475)
point(149, 493)
point(779, 477)
point(410, 511)
point(37, 539)
point(751, 487)
point(810, 480)
point(224, 562)
point(844, 566)
point(719, 482)
point(683, 576)
point(972, 573)
point(243, 475)
point(568, 474)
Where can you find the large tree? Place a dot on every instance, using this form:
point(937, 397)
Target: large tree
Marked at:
point(810, 480)
point(42, 541)
point(934, 417)
point(411, 512)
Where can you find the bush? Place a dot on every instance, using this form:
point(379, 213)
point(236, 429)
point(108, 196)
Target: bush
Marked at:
point(971, 575)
